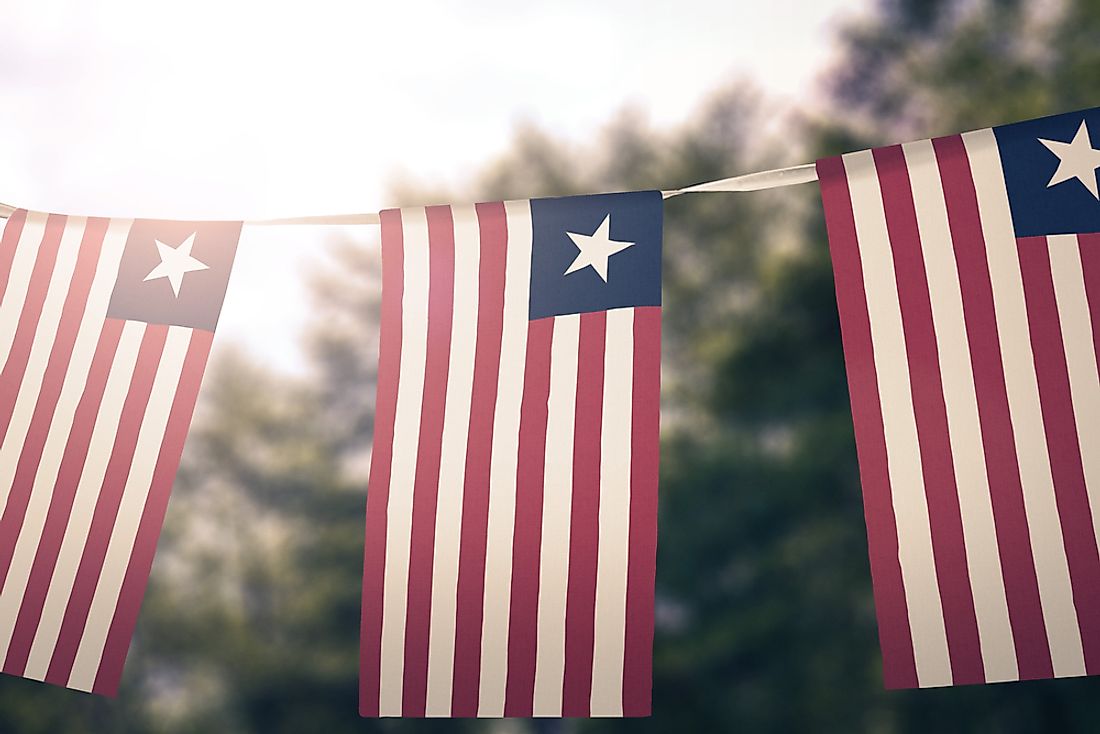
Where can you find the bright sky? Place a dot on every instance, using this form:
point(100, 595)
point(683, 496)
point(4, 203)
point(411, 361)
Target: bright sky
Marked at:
point(233, 109)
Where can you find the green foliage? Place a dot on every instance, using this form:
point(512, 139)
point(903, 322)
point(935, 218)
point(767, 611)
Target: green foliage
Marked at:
point(765, 617)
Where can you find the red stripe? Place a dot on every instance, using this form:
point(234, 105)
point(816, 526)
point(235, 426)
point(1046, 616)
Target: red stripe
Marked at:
point(152, 517)
point(930, 412)
point(106, 509)
point(1063, 443)
point(1002, 465)
point(895, 637)
point(61, 503)
point(52, 381)
point(378, 483)
point(1089, 245)
point(441, 252)
point(584, 524)
point(9, 243)
point(15, 364)
point(493, 224)
point(527, 538)
point(645, 451)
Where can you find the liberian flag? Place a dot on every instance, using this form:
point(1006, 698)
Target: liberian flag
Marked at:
point(105, 328)
point(968, 279)
point(512, 498)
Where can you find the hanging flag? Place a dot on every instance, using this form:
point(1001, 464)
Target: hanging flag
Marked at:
point(105, 328)
point(968, 280)
point(512, 498)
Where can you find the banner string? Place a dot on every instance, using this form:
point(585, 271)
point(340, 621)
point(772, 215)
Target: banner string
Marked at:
point(759, 181)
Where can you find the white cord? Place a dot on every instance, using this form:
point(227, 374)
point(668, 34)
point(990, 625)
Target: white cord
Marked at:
point(773, 179)
point(777, 178)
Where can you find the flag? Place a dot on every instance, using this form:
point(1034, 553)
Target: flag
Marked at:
point(968, 282)
point(512, 497)
point(105, 328)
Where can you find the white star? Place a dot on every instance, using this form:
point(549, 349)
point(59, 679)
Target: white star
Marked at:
point(1076, 159)
point(175, 262)
point(595, 249)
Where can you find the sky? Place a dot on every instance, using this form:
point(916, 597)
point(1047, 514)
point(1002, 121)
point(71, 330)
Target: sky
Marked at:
point(231, 109)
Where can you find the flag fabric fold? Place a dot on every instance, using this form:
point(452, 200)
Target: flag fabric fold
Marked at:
point(105, 329)
point(968, 282)
point(511, 510)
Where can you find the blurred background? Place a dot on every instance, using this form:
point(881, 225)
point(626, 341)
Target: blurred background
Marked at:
point(765, 620)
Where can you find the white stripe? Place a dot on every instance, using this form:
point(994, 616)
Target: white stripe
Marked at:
point(964, 426)
point(1023, 401)
point(1077, 338)
point(87, 492)
point(44, 336)
point(899, 422)
point(138, 483)
point(557, 504)
point(452, 462)
point(610, 610)
point(19, 278)
point(26, 251)
point(52, 451)
point(406, 429)
point(502, 470)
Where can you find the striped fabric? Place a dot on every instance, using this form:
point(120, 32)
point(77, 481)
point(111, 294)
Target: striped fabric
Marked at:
point(94, 410)
point(511, 512)
point(968, 282)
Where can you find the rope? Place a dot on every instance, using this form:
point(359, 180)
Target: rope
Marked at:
point(759, 181)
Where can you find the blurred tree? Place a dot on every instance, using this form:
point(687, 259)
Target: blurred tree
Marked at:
point(765, 618)
point(763, 551)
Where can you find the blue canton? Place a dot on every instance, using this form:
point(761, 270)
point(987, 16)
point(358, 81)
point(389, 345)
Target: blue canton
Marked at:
point(633, 273)
point(1068, 207)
